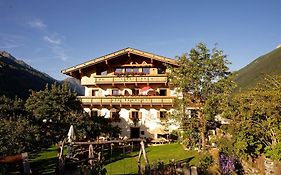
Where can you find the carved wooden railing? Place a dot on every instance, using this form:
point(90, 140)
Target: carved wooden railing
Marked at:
point(112, 79)
point(127, 100)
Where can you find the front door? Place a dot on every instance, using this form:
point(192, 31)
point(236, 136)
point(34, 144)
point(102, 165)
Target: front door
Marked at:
point(135, 132)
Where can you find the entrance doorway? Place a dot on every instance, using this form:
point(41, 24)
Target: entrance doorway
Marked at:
point(135, 132)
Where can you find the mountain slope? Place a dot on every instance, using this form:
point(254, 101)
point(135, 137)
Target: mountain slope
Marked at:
point(253, 73)
point(17, 77)
point(75, 85)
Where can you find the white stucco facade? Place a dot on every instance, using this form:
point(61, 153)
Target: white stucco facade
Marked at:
point(149, 121)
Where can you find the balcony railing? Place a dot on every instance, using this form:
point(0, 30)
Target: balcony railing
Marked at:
point(127, 101)
point(97, 80)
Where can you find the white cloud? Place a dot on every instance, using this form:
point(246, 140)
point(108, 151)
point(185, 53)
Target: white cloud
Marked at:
point(59, 52)
point(55, 42)
point(52, 40)
point(37, 23)
point(62, 55)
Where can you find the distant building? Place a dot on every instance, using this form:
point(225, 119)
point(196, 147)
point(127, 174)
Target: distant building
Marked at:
point(128, 86)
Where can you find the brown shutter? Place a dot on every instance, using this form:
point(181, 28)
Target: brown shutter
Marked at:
point(168, 92)
point(158, 114)
point(130, 115)
point(140, 115)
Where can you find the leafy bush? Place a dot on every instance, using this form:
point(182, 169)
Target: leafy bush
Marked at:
point(274, 152)
point(17, 136)
point(205, 161)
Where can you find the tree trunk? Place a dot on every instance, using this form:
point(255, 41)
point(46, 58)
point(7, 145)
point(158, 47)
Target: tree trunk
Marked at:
point(203, 143)
point(202, 129)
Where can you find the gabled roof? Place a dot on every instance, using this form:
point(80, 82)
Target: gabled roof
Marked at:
point(119, 53)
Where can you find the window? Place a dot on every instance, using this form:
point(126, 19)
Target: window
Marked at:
point(115, 116)
point(94, 113)
point(101, 72)
point(94, 92)
point(163, 114)
point(115, 91)
point(118, 70)
point(104, 72)
point(135, 92)
point(146, 70)
point(129, 70)
point(142, 132)
point(126, 93)
point(136, 70)
point(163, 92)
point(135, 114)
point(161, 70)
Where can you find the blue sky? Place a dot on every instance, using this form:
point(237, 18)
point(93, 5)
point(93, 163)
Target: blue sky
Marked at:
point(53, 35)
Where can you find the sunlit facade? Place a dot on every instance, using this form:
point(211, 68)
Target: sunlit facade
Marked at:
point(130, 87)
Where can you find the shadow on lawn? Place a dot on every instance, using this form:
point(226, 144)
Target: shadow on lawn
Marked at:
point(119, 154)
point(45, 152)
point(44, 166)
point(122, 156)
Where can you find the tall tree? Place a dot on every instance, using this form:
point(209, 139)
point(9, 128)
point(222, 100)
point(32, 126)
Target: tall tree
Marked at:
point(54, 110)
point(203, 80)
point(18, 136)
point(17, 132)
point(11, 108)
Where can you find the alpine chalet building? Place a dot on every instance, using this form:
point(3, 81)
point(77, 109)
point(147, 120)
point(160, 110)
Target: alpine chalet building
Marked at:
point(130, 87)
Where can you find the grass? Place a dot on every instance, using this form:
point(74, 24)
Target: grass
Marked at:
point(45, 154)
point(128, 165)
point(40, 163)
point(45, 162)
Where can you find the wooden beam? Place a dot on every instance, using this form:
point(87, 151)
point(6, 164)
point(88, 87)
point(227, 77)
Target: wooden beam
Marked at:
point(13, 158)
point(104, 142)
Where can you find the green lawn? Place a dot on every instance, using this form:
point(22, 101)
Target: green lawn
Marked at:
point(128, 165)
point(44, 162)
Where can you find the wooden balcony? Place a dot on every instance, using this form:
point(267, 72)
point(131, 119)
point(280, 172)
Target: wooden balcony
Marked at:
point(127, 101)
point(101, 79)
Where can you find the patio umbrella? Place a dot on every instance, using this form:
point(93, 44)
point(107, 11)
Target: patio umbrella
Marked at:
point(158, 131)
point(145, 90)
point(71, 135)
point(91, 154)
